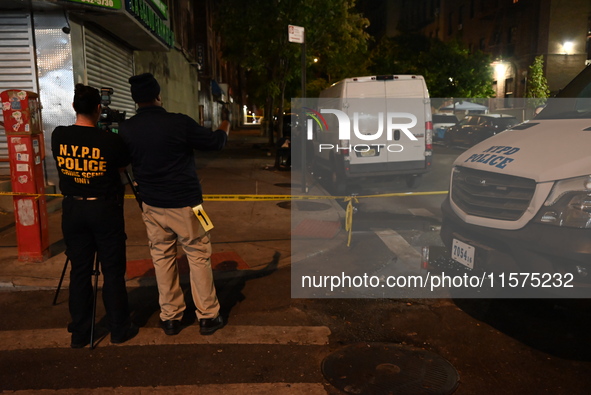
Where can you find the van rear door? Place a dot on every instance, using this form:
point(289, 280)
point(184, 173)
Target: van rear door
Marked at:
point(366, 100)
point(407, 94)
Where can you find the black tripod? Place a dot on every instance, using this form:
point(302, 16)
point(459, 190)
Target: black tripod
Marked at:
point(95, 272)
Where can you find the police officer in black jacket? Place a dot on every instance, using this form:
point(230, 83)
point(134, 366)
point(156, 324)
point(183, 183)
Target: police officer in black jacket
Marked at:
point(161, 144)
point(88, 161)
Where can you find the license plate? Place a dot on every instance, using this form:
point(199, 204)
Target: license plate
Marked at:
point(369, 152)
point(463, 253)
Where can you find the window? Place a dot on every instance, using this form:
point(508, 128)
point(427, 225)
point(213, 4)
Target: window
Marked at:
point(511, 39)
point(512, 35)
point(444, 118)
point(509, 89)
point(509, 85)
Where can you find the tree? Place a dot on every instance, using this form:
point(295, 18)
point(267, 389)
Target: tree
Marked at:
point(450, 70)
point(258, 41)
point(537, 85)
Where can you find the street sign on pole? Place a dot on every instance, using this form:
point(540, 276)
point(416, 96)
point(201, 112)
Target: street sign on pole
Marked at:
point(295, 34)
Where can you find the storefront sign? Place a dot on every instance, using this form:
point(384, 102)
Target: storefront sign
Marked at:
point(112, 4)
point(160, 8)
point(144, 13)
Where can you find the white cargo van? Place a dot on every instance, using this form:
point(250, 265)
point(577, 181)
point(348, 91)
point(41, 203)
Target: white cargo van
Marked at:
point(520, 202)
point(389, 131)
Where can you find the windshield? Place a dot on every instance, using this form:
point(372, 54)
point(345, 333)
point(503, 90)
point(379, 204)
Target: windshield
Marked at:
point(505, 122)
point(437, 118)
point(467, 121)
point(574, 101)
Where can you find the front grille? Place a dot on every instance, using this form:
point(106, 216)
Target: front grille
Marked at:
point(491, 195)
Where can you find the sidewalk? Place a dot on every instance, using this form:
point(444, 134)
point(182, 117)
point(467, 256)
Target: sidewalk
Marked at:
point(249, 236)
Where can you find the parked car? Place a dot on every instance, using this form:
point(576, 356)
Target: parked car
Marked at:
point(475, 128)
point(442, 122)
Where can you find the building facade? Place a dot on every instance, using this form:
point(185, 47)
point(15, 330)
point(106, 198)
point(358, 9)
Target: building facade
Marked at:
point(47, 46)
point(513, 32)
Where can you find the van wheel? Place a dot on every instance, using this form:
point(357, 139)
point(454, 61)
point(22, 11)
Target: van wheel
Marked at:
point(337, 182)
point(413, 181)
point(316, 170)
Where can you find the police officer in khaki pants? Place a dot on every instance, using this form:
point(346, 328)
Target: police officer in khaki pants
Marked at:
point(161, 144)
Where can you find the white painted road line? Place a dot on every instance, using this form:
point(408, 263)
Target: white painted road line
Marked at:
point(205, 389)
point(239, 334)
point(421, 212)
point(408, 259)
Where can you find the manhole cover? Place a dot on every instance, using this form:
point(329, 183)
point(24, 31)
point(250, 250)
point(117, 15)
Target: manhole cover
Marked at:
point(304, 205)
point(384, 368)
point(286, 205)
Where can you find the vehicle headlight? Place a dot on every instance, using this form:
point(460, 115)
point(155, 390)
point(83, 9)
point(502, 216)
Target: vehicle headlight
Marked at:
point(569, 204)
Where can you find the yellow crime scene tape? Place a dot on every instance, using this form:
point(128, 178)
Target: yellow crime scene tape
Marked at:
point(257, 198)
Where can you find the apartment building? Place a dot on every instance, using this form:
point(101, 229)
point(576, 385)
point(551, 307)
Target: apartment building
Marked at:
point(513, 32)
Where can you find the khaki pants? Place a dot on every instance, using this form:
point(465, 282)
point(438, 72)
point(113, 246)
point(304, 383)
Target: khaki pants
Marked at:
point(166, 226)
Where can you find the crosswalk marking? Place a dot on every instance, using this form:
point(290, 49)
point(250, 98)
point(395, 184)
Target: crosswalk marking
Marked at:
point(204, 389)
point(408, 259)
point(231, 334)
point(421, 212)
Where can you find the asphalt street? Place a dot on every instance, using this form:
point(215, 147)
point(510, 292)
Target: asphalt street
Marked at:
point(275, 343)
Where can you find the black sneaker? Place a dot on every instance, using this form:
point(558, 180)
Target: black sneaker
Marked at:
point(79, 339)
point(131, 332)
point(171, 327)
point(207, 326)
point(80, 343)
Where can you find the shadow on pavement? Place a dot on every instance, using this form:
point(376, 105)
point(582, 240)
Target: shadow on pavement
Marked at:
point(229, 284)
point(555, 326)
point(229, 288)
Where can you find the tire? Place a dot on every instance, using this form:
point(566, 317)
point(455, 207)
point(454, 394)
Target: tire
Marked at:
point(413, 181)
point(316, 170)
point(338, 184)
point(338, 181)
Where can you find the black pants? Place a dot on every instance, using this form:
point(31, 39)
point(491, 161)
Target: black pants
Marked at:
point(89, 227)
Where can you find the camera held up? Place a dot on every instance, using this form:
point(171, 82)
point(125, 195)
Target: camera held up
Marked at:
point(110, 118)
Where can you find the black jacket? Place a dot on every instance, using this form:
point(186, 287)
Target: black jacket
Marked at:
point(162, 159)
point(88, 160)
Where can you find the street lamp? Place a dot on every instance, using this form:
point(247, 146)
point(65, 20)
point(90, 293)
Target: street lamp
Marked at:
point(500, 69)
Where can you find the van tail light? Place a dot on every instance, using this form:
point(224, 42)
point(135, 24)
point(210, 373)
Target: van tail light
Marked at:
point(428, 142)
point(343, 149)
